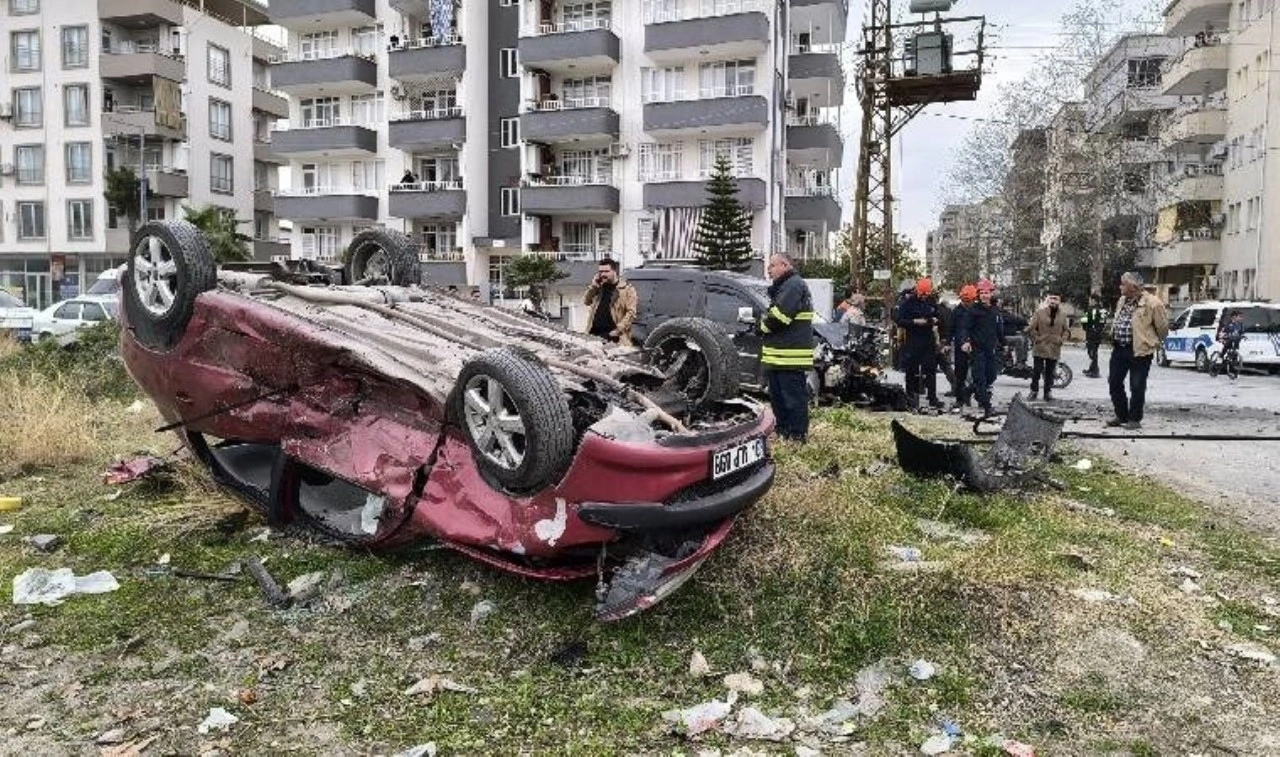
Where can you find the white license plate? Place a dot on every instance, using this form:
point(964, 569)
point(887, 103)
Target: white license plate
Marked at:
point(735, 458)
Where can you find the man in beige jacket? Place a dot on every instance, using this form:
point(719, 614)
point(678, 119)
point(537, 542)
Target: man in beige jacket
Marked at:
point(1048, 330)
point(1140, 325)
point(614, 304)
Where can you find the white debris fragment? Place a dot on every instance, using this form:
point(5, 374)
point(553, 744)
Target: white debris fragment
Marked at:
point(1084, 464)
point(432, 685)
point(6, 529)
point(1100, 595)
point(135, 408)
point(922, 670)
point(871, 683)
point(744, 683)
point(698, 667)
point(1189, 587)
point(50, 587)
point(482, 610)
point(307, 586)
point(422, 750)
point(371, 513)
point(804, 751)
point(261, 537)
point(702, 717)
point(551, 530)
point(751, 723)
point(905, 554)
point(940, 744)
point(1255, 652)
point(163, 559)
point(217, 720)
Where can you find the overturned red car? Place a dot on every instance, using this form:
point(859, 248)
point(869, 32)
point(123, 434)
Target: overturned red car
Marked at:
point(384, 413)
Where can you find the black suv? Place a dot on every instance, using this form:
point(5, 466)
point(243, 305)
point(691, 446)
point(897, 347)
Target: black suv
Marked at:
point(735, 301)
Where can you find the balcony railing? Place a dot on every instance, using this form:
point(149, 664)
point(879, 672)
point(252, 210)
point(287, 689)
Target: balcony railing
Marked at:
point(264, 87)
point(314, 55)
point(130, 47)
point(663, 175)
point(325, 123)
point(574, 25)
point(427, 186)
point(569, 180)
point(1204, 233)
point(424, 42)
point(811, 119)
point(691, 10)
point(321, 191)
point(1201, 169)
point(433, 114)
point(451, 255)
point(569, 252)
point(569, 103)
point(810, 191)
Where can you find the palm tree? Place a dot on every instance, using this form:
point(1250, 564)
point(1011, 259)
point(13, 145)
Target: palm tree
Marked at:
point(219, 226)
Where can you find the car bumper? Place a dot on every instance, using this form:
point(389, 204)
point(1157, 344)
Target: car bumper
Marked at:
point(684, 511)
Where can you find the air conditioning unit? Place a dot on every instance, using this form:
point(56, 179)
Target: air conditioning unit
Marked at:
point(6, 110)
point(6, 169)
point(619, 150)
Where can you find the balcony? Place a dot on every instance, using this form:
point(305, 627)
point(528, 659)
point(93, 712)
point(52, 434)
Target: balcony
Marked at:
point(130, 121)
point(167, 182)
point(1183, 18)
point(675, 36)
point(264, 151)
point(270, 101)
point(1194, 129)
point(137, 63)
point(140, 14)
point(264, 200)
point(329, 138)
point(813, 206)
point(428, 200)
point(583, 47)
point(428, 59)
point(816, 75)
point(422, 130)
point(674, 191)
point(327, 204)
point(814, 142)
point(333, 72)
point(265, 50)
point(266, 249)
point(1193, 247)
point(557, 195)
point(304, 15)
point(1201, 70)
point(743, 113)
point(415, 8)
point(570, 120)
point(813, 14)
point(443, 267)
point(1197, 182)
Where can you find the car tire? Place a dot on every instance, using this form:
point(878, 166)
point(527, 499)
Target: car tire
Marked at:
point(170, 260)
point(1202, 360)
point(1062, 375)
point(510, 386)
point(714, 377)
point(387, 256)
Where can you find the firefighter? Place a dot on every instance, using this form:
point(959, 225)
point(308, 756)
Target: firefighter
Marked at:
point(787, 353)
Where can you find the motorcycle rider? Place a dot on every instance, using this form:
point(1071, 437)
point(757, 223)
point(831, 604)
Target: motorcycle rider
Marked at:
point(978, 339)
point(1094, 321)
point(918, 317)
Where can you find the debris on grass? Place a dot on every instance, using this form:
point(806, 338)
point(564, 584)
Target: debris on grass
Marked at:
point(702, 717)
point(270, 589)
point(50, 587)
point(482, 610)
point(751, 723)
point(10, 504)
point(128, 471)
point(940, 531)
point(1017, 748)
point(922, 670)
point(698, 667)
point(419, 643)
point(905, 554)
point(937, 744)
point(218, 719)
point(46, 543)
point(1095, 596)
point(307, 586)
point(113, 736)
point(422, 750)
point(6, 528)
point(744, 683)
point(1254, 652)
point(1081, 507)
point(871, 683)
point(432, 685)
point(131, 749)
point(1189, 587)
point(1183, 571)
point(1083, 465)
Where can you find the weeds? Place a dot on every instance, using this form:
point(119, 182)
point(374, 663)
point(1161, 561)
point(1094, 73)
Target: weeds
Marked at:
point(91, 364)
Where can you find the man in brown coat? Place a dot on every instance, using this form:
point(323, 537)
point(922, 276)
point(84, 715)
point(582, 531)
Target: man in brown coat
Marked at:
point(1048, 330)
point(613, 302)
point(1140, 324)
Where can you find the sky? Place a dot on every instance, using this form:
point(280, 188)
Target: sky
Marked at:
point(1019, 31)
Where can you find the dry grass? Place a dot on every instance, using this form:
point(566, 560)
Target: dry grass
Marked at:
point(45, 423)
point(8, 345)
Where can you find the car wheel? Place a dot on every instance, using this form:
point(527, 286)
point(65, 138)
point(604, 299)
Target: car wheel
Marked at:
point(515, 418)
point(170, 266)
point(1062, 376)
point(1202, 360)
point(383, 256)
point(697, 357)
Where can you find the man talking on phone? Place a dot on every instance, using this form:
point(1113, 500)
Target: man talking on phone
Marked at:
point(613, 304)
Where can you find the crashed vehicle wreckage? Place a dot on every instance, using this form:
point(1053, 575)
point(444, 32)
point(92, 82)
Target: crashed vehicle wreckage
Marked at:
point(847, 368)
point(383, 413)
point(1016, 459)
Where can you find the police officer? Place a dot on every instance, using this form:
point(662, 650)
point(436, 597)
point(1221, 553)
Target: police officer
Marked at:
point(787, 353)
point(1094, 321)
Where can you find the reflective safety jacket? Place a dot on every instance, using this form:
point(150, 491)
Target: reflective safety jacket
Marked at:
point(787, 326)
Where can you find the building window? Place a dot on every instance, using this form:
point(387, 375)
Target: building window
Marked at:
point(662, 84)
point(23, 7)
point(660, 161)
point(75, 104)
point(510, 132)
point(31, 220)
point(590, 92)
point(80, 219)
point(321, 242)
point(30, 164)
point(220, 119)
point(739, 150)
point(727, 78)
point(508, 3)
point(368, 110)
point(219, 66)
point(364, 40)
point(440, 237)
point(319, 45)
point(75, 46)
point(79, 162)
point(320, 111)
point(508, 62)
point(589, 15)
point(27, 108)
point(220, 174)
point(644, 229)
point(1145, 72)
point(25, 49)
point(510, 201)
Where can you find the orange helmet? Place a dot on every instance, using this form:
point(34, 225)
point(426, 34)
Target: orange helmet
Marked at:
point(968, 293)
point(924, 287)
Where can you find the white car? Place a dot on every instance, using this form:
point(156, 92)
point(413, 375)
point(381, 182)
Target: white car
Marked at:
point(69, 316)
point(106, 287)
point(15, 316)
point(1193, 334)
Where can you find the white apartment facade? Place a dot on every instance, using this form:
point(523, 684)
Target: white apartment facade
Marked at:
point(576, 130)
point(156, 85)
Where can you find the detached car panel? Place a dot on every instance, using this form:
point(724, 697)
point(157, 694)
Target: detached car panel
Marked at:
point(385, 414)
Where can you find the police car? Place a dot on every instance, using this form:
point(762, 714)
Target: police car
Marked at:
point(1193, 334)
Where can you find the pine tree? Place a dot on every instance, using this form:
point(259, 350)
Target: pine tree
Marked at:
point(723, 241)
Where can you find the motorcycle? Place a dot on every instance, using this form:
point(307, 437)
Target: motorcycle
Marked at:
point(848, 368)
point(1007, 364)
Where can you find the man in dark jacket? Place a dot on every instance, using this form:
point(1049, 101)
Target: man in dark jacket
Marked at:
point(918, 317)
point(946, 335)
point(787, 353)
point(1012, 330)
point(1094, 321)
point(959, 324)
point(979, 339)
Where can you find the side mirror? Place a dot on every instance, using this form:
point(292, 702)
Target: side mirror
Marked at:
point(746, 315)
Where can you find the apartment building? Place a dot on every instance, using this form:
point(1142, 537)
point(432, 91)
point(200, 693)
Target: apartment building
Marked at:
point(1068, 181)
point(573, 129)
point(171, 89)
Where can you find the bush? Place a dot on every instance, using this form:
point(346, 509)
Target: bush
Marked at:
point(91, 364)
